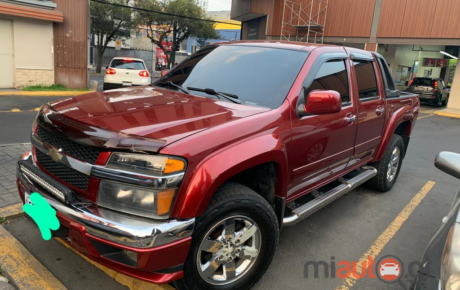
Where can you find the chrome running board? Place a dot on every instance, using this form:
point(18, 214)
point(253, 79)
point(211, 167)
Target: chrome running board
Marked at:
point(318, 203)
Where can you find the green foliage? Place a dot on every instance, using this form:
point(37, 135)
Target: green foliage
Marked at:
point(108, 23)
point(164, 24)
point(56, 87)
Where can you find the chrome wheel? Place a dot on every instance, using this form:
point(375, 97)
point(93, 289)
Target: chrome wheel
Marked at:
point(229, 250)
point(393, 164)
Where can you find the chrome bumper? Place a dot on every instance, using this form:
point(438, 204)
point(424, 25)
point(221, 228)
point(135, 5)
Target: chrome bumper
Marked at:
point(113, 226)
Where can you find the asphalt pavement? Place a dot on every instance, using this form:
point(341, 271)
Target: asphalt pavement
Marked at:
point(343, 231)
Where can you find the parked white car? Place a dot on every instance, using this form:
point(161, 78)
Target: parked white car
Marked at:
point(126, 72)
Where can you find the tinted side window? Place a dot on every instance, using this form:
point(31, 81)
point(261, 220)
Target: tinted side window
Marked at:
point(332, 76)
point(365, 76)
point(386, 73)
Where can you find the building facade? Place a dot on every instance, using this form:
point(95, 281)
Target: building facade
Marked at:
point(228, 31)
point(43, 43)
point(413, 35)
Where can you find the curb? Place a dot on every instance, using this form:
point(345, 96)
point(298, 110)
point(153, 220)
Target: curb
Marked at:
point(11, 211)
point(23, 270)
point(44, 93)
point(446, 114)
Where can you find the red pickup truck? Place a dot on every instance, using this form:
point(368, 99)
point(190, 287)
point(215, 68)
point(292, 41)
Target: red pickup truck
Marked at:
point(192, 178)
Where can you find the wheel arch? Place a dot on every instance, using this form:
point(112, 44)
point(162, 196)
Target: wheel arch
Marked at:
point(229, 165)
point(399, 123)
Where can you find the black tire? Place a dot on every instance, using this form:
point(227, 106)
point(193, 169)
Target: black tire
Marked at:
point(444, 103)
point(438, 102)
point(381, 182)
point(233, 199)
point(104, 87)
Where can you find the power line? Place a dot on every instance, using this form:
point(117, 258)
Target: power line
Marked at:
point(163, 13)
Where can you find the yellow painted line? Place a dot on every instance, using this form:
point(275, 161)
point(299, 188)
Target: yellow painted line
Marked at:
point(44, 93)
point(20, 111)
point(444, 114)
point(131, 283)
point(388, 234)
point(425, 116)
point(25, 271)
point(11, 210)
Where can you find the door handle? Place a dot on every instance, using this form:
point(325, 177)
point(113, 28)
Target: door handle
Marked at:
point(380, 110)
point(349, 119)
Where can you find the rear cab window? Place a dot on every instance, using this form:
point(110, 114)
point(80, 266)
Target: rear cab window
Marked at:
point(387, 77)
point(127, 64)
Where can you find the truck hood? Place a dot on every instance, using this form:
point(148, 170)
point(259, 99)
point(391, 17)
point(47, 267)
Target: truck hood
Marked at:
point(142, 118)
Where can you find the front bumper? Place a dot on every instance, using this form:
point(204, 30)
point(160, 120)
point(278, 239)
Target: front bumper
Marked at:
point(103, 235)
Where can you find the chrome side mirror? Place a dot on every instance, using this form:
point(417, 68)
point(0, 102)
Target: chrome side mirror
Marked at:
point(449, 163)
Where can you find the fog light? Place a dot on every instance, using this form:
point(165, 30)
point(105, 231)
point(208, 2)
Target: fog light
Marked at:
point(132, 255)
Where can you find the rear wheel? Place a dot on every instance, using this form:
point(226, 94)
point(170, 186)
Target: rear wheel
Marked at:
point(438, 102)
point(233, 243)
point(388, 168)
point(444, 103)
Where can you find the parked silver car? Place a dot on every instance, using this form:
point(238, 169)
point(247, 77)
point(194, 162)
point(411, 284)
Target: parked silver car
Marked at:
point(440, 266)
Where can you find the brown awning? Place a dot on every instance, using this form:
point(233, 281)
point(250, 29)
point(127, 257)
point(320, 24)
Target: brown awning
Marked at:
point(30, 12)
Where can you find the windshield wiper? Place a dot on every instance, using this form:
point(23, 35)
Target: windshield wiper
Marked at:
point(230, 97)
point(171, 84)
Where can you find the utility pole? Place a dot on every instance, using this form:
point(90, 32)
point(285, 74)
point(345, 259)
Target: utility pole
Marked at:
point(173, 50)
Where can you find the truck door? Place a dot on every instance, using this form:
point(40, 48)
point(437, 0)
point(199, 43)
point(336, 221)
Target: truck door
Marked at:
point(370, 102)
point(322, 145)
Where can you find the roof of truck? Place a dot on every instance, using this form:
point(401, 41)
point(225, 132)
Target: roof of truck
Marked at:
point(278, 44)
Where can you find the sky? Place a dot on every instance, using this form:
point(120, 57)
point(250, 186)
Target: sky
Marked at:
point(218, 5)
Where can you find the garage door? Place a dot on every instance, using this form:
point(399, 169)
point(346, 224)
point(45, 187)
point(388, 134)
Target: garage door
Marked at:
point(6, 53)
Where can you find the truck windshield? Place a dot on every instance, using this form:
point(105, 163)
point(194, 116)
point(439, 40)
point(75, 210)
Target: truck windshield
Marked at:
point(257, 75)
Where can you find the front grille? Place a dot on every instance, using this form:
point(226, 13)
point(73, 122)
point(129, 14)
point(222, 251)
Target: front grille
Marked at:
point(61, 171)
point(83, 153)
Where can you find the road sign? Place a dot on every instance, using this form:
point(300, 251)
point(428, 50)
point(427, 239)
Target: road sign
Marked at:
point(117, 44)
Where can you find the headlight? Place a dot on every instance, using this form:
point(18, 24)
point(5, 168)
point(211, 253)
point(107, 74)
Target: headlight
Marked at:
point(136, 200)
point(127, 192)
point(450, 267)
point(146, 164)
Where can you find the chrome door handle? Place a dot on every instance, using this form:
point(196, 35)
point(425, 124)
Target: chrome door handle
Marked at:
point(349, 119)
point(380, 110)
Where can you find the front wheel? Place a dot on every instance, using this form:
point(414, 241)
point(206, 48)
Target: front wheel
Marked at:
point(233, 243)
point(388, 168)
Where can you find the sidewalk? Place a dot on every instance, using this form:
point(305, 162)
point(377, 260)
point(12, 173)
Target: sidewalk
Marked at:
point(9, 155)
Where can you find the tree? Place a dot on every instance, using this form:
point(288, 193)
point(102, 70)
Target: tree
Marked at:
point(181, 28)
point(108, 23)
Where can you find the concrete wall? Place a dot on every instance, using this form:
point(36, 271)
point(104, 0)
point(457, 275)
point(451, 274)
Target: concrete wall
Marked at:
point(454, 100)
point(33, 44)
point(32, 51)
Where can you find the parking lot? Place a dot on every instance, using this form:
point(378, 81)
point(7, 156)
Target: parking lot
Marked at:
point(363, 223)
